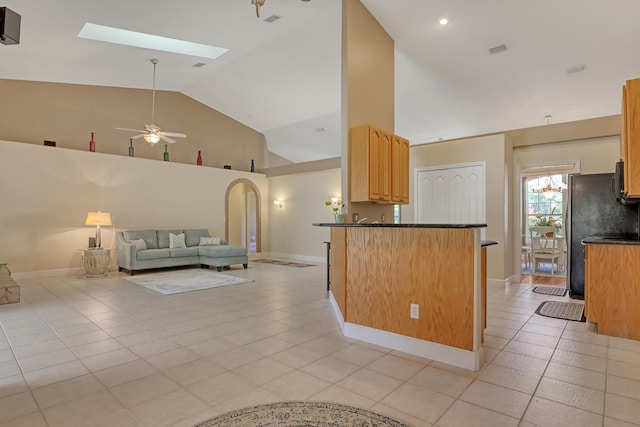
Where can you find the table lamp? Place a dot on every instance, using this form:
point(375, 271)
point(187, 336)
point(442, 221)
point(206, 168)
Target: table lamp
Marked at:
point(98, 219)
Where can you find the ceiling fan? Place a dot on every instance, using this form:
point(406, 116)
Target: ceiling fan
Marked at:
point(152, 133)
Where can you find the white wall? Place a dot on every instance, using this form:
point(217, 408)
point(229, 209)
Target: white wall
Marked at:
point(46, 193)
point(303, 195)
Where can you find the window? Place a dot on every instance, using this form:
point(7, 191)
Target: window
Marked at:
point(545, 200)
point(396, 214)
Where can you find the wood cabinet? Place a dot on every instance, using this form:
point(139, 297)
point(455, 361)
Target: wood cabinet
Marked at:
point(399, 170)
point(378, 166)
point(630, 137)
point(612, 289)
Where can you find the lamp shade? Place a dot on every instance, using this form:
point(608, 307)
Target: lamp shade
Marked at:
point(98, 218)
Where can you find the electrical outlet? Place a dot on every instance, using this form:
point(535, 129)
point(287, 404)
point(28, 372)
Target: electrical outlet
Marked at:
point(415, 311)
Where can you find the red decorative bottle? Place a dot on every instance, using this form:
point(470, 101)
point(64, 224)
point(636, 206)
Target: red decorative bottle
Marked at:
point(199, 159)
point(92, 144)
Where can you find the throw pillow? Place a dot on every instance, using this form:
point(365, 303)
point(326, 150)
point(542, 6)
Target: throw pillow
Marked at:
point(140, 244)
point(176, 241)
point(209, 241)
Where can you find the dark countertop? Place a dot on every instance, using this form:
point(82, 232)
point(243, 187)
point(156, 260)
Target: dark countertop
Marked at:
point(391, 225)
point(612, 240)
point(485, 243)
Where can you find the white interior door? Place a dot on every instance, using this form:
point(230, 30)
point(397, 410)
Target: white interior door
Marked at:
point(451, 194)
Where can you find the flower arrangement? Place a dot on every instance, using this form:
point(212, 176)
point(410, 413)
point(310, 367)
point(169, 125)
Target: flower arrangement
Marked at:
point(335, 205)
point(549, 220)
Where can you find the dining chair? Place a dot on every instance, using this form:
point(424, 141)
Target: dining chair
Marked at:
point(544, 247)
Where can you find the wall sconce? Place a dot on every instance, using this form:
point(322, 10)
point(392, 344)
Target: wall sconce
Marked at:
point(278, 203)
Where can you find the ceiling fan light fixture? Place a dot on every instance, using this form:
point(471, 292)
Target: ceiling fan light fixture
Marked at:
point(151, 138)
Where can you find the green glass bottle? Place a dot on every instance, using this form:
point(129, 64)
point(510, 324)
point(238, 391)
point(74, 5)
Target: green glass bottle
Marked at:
point(166, 153)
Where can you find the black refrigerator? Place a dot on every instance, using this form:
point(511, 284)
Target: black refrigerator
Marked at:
point(593, 211)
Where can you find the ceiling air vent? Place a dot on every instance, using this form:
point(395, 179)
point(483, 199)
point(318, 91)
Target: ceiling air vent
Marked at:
point(272, 18)
point(576, 69)
point(498, 49)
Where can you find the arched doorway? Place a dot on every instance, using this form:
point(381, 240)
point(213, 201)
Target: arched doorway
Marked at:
point(243, 219)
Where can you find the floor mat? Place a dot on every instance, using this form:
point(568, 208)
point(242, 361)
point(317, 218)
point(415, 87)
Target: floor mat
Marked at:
point(550, 290)
point(287, 263)
point(175, 282)
point(562, 310)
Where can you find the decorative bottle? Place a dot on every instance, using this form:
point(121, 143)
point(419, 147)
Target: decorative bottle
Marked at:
point(130, 147)
point(92, 144)
point(166, 153)
point(253, 169)
point(199, 159)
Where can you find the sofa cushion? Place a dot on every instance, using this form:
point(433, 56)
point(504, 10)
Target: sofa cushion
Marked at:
point(209, 241)
point(192, 237)
point(140, 244)
point(153, 254)
point(163, 237)
point(149, 237)
point(222, 251)
point(182, 252)
point(176, 241)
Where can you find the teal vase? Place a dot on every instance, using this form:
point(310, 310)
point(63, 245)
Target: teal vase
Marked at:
point(166, 153)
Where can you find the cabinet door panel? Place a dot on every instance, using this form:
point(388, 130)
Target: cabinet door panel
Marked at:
point(400, 170)
point(379, 167)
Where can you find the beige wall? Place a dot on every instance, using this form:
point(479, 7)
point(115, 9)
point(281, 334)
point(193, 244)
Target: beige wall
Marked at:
point(367, 87)
point(34, 111)
point(46, 194)
point(493, 150)
point(303, 196)
point(595, 155)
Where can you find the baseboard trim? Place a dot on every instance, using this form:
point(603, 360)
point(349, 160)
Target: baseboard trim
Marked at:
point(47, 273)
point(501, 282)
point(305, 258)
point(429, 350)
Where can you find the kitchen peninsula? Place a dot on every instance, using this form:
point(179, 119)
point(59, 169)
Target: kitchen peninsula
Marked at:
point(416, 288)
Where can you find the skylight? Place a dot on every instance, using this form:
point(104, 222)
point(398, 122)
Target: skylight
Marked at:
point(148, 41)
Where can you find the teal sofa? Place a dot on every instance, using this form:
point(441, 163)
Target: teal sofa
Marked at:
point(146, 249)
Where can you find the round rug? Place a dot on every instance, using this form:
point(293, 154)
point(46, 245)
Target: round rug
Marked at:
point(302, 414)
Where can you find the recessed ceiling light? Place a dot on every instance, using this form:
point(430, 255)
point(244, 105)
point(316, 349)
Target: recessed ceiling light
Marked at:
point(148, 41)
point(444, 20)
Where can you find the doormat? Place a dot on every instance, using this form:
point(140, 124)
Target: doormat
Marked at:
point(176, 282)
point(562, 310)
point(302, 414)
point(550, 290)
point(287, 263)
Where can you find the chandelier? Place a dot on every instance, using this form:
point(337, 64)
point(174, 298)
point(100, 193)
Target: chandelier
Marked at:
point(548, 188)
point(258, 4)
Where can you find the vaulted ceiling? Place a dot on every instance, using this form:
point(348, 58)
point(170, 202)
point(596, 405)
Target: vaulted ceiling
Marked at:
point(566, 59)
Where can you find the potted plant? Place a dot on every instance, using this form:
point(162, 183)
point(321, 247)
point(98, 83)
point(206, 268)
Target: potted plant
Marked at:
point(336, 208)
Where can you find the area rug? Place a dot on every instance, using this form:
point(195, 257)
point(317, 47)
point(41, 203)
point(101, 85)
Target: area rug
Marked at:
point(550, 290)
point(287, 263)
point(299, 414)
point(175, 282)
point(562, 310)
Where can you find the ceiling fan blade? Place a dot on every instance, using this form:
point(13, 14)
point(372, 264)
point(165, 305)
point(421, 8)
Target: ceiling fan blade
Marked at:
point(137, 136)
point(132, 130)
point(166, 139)
point(175, 135)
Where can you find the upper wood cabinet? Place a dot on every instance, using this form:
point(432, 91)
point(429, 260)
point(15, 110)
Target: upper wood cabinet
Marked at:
point(399, 170)
point(378, 166)
point(630, 137)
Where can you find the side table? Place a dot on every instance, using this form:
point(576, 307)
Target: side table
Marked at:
point(95, 262)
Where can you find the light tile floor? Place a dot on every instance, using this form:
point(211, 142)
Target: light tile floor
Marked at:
point(79, 352)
